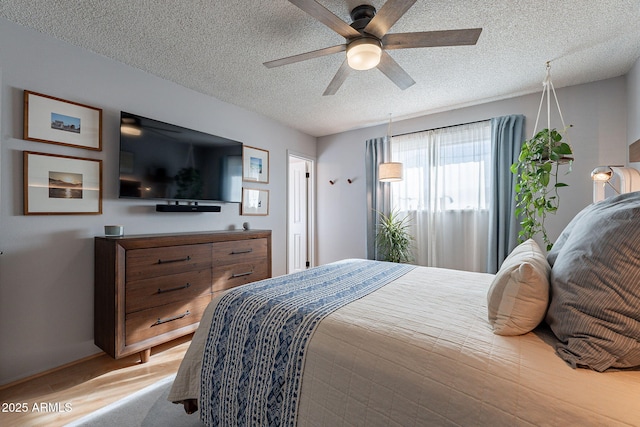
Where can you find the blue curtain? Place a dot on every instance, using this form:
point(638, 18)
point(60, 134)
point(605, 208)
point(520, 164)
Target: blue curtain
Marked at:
point(378, 194)
point(506, 141)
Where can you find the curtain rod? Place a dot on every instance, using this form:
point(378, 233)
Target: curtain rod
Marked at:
point(442, 127)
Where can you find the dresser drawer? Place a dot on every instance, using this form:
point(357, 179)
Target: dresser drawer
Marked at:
point(150, 323)
point(149, 293)
point(230, 276)
point(154, 262)
point(239, 251)
point(151, 289)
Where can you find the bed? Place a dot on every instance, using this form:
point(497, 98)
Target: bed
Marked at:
point(428, 346)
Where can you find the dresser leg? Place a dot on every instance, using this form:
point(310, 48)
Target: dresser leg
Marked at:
point(145, 355)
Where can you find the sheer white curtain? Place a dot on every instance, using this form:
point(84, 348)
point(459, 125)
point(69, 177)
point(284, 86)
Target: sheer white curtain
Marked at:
point(445, 191)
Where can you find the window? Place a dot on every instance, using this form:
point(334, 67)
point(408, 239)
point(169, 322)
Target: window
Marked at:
point(446, 190)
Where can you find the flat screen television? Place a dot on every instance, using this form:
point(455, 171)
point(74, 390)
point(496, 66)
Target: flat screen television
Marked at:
point(163, 161)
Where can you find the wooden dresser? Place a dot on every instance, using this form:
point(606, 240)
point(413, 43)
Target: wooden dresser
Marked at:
point(150, 289)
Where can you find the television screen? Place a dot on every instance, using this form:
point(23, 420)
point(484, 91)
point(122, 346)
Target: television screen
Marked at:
point(163, 161)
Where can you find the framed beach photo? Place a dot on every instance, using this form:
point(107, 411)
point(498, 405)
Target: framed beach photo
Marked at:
point(57, 121)
point(255, 202)
point(255, 164)
point(61, 185)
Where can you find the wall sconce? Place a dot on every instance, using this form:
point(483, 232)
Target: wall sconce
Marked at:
point(390, 172)
point(629, 180)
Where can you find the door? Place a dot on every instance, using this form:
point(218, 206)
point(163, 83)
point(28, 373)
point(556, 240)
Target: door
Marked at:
point(299, 223)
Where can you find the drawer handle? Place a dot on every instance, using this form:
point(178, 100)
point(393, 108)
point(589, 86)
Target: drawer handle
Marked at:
point(161, 261)
point(178, 288)
point(242, 251)
point(171, 319)
point(233, 276)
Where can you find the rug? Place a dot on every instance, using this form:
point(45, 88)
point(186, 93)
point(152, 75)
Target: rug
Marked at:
point(147, 407)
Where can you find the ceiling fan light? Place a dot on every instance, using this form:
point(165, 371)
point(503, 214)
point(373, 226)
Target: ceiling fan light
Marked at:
point(364, 54)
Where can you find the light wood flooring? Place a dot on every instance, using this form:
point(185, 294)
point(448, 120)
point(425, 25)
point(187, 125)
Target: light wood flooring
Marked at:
point(73, 391)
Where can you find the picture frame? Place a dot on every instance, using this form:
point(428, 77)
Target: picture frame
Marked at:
point(61, 185)
point(255, 201)
point(255, 164)
point(58, 121)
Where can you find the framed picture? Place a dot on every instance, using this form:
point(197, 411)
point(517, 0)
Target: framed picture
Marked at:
point(255, 164)
point(56, 121)
point(255, 202)
point(59, 185)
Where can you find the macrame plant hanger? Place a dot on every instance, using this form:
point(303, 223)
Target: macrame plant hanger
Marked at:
point(548, 90)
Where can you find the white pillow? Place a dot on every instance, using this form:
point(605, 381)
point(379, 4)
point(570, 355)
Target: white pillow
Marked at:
point(519, 294)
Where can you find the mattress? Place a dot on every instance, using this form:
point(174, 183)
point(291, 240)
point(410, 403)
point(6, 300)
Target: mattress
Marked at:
point(420, 351)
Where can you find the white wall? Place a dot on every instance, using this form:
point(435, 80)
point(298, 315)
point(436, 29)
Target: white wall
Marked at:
point(597, 111)
point(46, 270)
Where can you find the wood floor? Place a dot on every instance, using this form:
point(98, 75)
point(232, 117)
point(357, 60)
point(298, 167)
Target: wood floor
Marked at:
point(69, 393)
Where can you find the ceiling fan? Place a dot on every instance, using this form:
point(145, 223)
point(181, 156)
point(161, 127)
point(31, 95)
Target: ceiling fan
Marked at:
point(367, 40)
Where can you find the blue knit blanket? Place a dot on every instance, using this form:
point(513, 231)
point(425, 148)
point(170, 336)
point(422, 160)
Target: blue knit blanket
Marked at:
point(255, 351)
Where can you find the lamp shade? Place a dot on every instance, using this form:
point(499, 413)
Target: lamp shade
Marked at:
point(390, 172)
point(601, 174)
point(364, 53)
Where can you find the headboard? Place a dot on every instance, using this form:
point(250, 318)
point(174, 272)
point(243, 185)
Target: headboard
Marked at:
point(634, 152)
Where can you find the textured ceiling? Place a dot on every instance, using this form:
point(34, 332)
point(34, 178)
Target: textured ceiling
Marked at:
point(217, 47)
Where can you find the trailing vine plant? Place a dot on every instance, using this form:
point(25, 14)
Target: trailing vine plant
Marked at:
point(537, 181)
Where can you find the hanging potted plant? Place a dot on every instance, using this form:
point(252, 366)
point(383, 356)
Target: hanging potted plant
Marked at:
point(537, 181)
point(537, 172)
point(393, 239)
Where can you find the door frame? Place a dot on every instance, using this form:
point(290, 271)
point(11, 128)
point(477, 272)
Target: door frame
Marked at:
point(311, 206)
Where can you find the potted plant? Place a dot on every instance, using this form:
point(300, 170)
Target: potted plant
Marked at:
point(393, 239)
point(537, 181)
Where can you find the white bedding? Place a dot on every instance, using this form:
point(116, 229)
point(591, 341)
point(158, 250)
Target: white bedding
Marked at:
point(420, 351)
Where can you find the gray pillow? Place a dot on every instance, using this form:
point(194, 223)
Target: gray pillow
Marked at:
point(595, 287)
point(560, 241)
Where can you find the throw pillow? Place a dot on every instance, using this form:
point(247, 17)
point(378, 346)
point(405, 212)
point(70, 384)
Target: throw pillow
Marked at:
point(519, 294)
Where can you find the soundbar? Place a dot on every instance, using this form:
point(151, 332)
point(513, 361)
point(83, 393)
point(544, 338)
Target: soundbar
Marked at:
point(187, 208)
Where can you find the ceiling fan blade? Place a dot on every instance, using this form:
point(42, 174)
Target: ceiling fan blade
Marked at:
point(338, 79)
point(388, 15)
point(304, 56)
point(325, 16)
point(431, 38)
point(394, 71)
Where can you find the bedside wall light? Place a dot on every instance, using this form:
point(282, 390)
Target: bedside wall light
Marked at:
point(628, 180)
point(601, 174)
